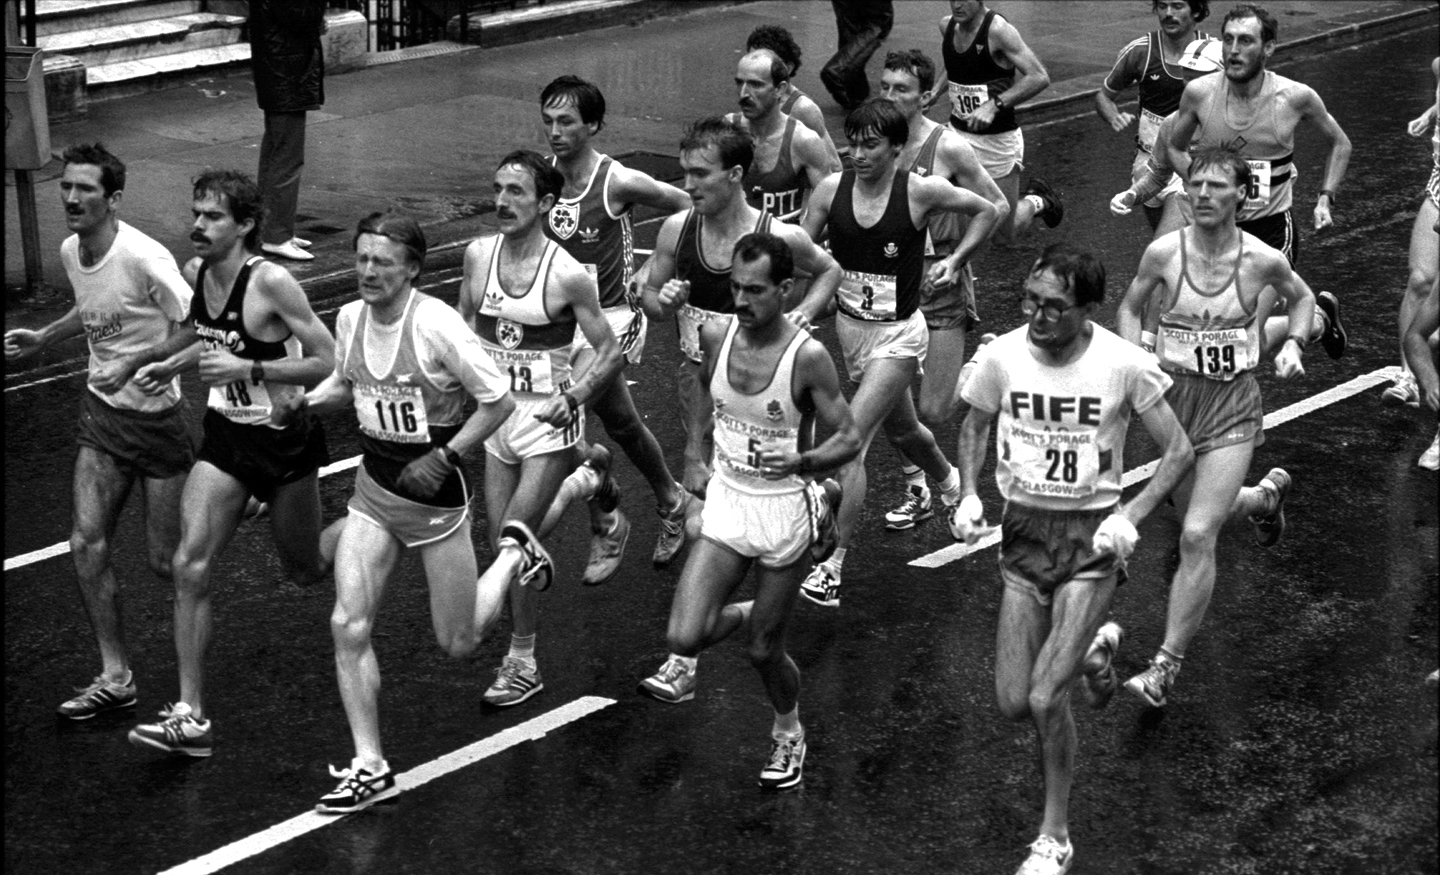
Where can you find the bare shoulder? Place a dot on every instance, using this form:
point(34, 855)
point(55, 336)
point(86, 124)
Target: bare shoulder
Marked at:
point(271, 278)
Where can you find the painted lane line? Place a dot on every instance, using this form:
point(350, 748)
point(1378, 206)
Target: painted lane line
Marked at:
point(954, 552)
point(531, 730)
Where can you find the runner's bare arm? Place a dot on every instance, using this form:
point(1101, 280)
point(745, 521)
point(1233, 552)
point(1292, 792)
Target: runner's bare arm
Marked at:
point(21, 343)
point(1184, 125)
point(1176, 458)
point(662, 293)
point(629, 186)
point(1148, 277)
point(934, 195)
point(1312, 109)
point(579, 294)
point(821, 384)
point(468, 304)
point(810, 258)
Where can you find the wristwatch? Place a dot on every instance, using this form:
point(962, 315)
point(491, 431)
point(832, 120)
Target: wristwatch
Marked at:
point(999, 101)
point(450, 455)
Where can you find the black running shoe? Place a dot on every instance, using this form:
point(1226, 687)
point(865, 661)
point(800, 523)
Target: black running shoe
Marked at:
point(1054, 210)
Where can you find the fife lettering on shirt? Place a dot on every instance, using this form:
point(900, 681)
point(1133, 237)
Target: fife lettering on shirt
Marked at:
point(1082, 409)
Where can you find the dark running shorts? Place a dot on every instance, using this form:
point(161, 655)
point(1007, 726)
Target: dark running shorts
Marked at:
point(1042, 549)
point(411, 522)
point(157, 445)
point(1279, 232)
point(1217, 413)
point(951, 307)
point(263, 458)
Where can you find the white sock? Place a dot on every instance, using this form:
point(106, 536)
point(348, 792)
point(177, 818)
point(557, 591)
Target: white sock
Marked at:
point(837, 558)
point(950, 486)
point(1037, 201)
point(522, 647)
point(787, 725)
point(687, 661)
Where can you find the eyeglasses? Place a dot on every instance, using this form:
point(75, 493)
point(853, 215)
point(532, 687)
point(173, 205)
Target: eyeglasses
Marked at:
point(1053, 312)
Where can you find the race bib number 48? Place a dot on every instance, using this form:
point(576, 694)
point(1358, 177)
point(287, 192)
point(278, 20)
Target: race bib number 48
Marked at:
point(1055, 463)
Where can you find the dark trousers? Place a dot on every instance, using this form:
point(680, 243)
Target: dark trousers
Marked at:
point(282, 157)
point(862, 26)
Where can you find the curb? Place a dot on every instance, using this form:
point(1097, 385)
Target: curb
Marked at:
point(1057, 108)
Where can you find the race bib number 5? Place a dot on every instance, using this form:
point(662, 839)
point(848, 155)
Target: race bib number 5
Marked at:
point(1056, 463)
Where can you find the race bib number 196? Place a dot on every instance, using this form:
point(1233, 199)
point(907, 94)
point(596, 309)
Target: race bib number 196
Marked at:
point(965, 99)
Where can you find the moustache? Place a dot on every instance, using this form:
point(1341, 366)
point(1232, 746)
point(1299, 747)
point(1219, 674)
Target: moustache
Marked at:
point(197, 237)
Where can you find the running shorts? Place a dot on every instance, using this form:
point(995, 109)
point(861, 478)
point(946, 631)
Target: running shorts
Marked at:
point(1042, 549)
point(773, 529)
point(862, 342)
point(1215, 413)
point(264, 458)
point(522, 436)
point(154, 444)
point(413, 523)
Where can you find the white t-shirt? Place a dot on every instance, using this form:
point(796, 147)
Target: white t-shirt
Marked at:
point(128, 302)
point(1061, 438)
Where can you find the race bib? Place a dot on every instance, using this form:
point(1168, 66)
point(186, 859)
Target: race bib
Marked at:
point(1258, 194)
point(1064, 464)
point(738, 445)
point(1149, 129)
point(965, 99)
point(392, 413)
point(241, 401)
point(1217, 353)
point(530, 370)
point(868, 295)
point(690, 320)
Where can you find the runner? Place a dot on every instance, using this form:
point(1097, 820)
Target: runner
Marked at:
point(526, 297)
point(989, 70)
point(769, 380)
point(1424, 248)
point(407, 363)
point(129, 301)
point(259, 342)
point(689, 279)
point(793, 101)
point(591, 220)
point(1155, 64)
point(1256, 112)
point(1064, 389)
point(875, 217)
point(790, 160)
point(1216, 280)
point(932, 149)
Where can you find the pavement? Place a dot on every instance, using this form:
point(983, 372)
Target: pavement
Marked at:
point(422, 131)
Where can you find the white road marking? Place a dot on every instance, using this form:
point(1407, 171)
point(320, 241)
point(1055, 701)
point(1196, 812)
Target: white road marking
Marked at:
point(946, 555)
point(310, 821)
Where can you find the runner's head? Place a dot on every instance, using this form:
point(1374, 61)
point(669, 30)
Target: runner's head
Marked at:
point(761, 274)
point(228, 208)
point(91, 187)
point(1249, 33)
point(715, 155)
point(759, 77)
point(778, 40)
point(1219, 179)
point(389, 252)
point(1065, 286)
point(907, 79)
point(1201, 57)
point(526, 187)
point(1179, 17)
point(967, 11)
point(877, 131)
point(584, 97)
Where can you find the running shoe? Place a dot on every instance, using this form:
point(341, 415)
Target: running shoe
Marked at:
point(1153, 684)
point(1099, 667)
point(672, 530)
point(786, 765)
point(1054, 204)
point(514, 683)
point(822, 585)
point(1270, 527)
point(1403, 391)
point(673, 683)
point(916, 508)
point(99, 697)
point(1047, 857)
point(537, 570)
point(823, 500)
point(606, 551)
point(1333, 338)
point(178, 733)
point(1430, 459)
point(359, 788)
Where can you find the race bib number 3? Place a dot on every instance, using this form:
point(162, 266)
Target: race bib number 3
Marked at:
point(965, 99)
point(690, 320)
point(1219, 354)
point(392, 413)
point(868, 295)
point(1065, 464)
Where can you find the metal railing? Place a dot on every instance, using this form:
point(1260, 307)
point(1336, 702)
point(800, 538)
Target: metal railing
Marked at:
point(398, 24)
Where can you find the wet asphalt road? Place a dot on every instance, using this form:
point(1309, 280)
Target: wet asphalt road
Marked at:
point(1299, 739)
